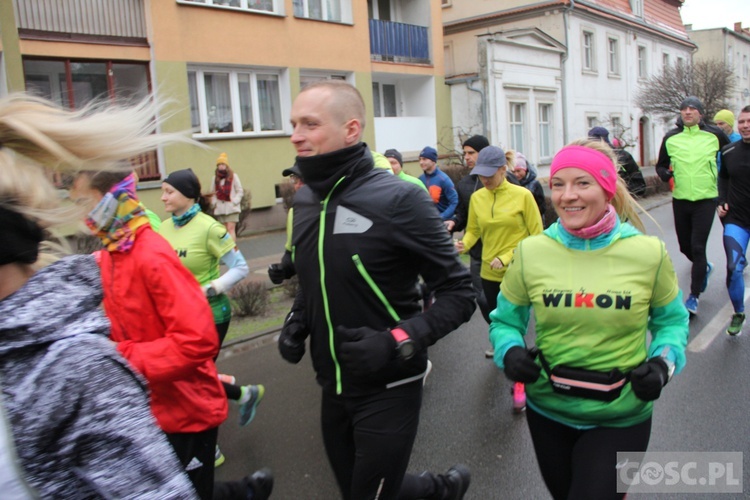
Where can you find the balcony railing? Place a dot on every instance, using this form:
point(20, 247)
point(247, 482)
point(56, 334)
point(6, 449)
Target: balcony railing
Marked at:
point(399, 42)
point(112, 18)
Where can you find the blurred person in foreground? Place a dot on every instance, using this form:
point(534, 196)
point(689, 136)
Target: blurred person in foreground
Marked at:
point(361, 239)
point(597, 287)
point(78, 413)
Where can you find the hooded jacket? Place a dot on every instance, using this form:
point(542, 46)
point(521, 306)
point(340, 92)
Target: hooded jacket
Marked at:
point(163, 326)
point(79, 414)
point(361, 239)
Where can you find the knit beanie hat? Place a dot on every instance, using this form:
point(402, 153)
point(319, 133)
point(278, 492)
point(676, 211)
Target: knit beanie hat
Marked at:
point(393, 153)
point(693, 102)
point(477, 142)
point(222, 159)
point(725, 116)
point(594, 162)
point(186, 182)
point(429, 153)
point(521, 161)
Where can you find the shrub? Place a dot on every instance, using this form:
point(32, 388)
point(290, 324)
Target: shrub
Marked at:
point(291, 286)
point(245, 208)
point(249, 298)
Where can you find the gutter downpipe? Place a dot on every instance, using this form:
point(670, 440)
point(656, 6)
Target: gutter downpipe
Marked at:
point(562, 71)
point(469, 81)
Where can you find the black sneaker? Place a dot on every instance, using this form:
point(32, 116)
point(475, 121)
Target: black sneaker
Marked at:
point(456, 481)
point(260, 483)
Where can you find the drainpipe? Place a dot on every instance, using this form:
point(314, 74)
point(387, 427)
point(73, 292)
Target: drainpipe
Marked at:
point(563, 83)
point(469, 81)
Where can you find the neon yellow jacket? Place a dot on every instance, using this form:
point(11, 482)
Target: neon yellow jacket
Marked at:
point(501, 218)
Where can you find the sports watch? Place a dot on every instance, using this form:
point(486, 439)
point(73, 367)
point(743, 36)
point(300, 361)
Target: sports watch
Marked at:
point(670, 364)
point(405, 346)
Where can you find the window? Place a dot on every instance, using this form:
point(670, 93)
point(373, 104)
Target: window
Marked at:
point(447, 3)
point(588, 51)
point(613, 56)
point(642, 71)
point(637, 7)
point(516, 122)
point(384, 100)
point(259, 5)
point(73, 84)
point(745, 68)
point(306, 79)
point(324, 10)
point(680, 62)
point(545, 130)
point(665, 60)
point(591, 122)
point(616, 129)
point(235, 101)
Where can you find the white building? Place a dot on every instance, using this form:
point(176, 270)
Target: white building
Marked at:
point(534, 77)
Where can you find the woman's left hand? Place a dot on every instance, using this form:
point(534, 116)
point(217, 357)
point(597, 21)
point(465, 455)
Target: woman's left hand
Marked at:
point(496, 263)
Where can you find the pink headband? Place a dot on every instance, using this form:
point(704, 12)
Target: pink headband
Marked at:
point(594, 162)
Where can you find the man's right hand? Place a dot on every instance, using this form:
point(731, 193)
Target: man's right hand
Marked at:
point(722, 209)
point(292, 340)
point(276, 273)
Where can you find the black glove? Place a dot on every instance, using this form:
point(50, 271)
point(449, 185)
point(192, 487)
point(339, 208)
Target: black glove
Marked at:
point(292, 339)
point(664, 174)
point(364, 351)
point(520, 365)
point(276, 273)
point(648, 379)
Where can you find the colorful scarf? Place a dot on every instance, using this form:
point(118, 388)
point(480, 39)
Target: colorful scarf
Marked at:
point(181, 220)
point(116, 217)
point(223, 185)
point(604, 225)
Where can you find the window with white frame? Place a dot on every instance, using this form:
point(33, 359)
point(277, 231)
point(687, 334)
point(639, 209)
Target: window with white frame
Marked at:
point(324, 10)
point(613, 56)
point(306, 79)
point(238, 101)
point(615, 127)
point(637, 7)
point(591, 121)
point(545, 130)
point(273, 6)
point(665, 60)
point(384, 100)
point(642, 68)
point(680, 62)
point(516, 123)
point(589, 62)
point(745, 68)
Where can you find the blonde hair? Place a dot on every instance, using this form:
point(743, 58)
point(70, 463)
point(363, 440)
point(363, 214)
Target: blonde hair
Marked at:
point(39, 139)
point(510, 160)
point(625, 205)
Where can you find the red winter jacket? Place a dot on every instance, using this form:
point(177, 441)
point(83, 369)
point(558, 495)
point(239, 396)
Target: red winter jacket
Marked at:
point(163, 326)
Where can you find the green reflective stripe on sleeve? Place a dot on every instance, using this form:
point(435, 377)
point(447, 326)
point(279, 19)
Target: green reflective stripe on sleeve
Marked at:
point(374, 287)
point(321, 264)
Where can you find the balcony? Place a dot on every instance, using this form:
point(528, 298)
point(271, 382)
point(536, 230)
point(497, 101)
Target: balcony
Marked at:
point(113, 20)
point(399, 42)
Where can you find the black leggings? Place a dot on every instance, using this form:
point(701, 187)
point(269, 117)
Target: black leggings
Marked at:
point(581, 464)
point(491, 289)
point(368, 440)
point(233, 392)
point(692, 223)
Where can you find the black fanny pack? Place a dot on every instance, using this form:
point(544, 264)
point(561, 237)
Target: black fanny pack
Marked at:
point(589, 384)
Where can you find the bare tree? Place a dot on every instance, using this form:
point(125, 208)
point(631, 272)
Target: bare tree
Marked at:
point(711, 80)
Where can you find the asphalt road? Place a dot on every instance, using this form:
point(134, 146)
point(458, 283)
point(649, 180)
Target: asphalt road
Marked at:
point(466, 414)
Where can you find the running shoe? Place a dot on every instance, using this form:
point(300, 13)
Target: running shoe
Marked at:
point(519, 397)
point(259, 484)
point(489, 353)
point(219, 458)
point(691, 304)
point(735, 327)
point(457, 481)
point(228, 379)
point(249, 401)
point(709, 270)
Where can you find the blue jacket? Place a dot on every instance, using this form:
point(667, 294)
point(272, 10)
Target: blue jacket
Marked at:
point(442, 191)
